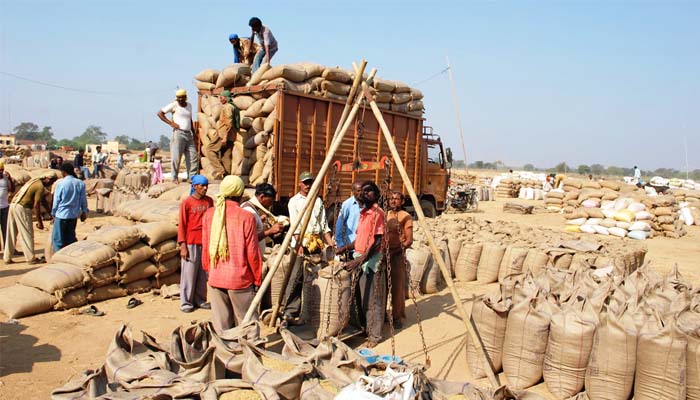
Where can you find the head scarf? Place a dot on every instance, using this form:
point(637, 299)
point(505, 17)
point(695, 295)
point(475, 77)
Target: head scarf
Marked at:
point(198, 180)
point(231, 186)
point(2, 164)
point(181, 92)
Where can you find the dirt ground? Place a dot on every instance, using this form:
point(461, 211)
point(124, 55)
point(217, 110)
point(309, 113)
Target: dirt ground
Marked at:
point(42, 352)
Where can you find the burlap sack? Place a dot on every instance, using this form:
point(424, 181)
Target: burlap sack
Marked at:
point(278, 278)
point(235, 74)
point(55, 278)
point(256, 78)
point(468, 262)
point(319, 389)
point(324, 291)
point(207, 75)
point(418, 260)
point(103, 276)
point(334, 87)
point(336, 74)
point(489, 315)
point(165, 250)
point(383, 85)
point(142, 270)
point(454, 245)
point(86, 254)
point(19, 301)
point(138, 286)
point(661, 362)
point(157, 232)
point(285, 71)
point(285, 375)
point(168, 267)
point(175, 193)
point(156, 190)
point(490, 262)
point(134, 255)
point(525, 343)
point(512, 262)
point(117, 237)
point(72, 299)
point(568, 348)
point(610, 371)
point(205, 85)
point(102, 293)
point(535, 261)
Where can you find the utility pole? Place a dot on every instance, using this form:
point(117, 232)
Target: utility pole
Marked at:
point(459, 121)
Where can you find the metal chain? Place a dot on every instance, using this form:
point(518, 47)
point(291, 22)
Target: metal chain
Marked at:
point(415, 304)
point(386, 184)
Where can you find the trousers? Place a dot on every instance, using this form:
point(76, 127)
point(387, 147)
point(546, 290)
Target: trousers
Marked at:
point(228, 306)
point(193, 279)
point(63, 233)
point(19, 223)
point(183, 143)
point(219, 154)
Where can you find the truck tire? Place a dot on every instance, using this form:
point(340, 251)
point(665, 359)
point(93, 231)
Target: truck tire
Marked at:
point(428, 208)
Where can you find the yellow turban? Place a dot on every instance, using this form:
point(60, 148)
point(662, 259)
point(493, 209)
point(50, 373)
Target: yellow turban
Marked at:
point(231, 186)
point(181, 92)
point(2, 164)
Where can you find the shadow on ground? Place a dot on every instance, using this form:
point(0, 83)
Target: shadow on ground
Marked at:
point(19, 352)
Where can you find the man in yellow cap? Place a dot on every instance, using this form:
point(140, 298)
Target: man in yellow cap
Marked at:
point(219, 149)
point(231, 256)
point(183, 136)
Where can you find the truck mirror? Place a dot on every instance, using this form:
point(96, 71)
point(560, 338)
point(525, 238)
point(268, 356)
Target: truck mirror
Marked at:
point(448, 155)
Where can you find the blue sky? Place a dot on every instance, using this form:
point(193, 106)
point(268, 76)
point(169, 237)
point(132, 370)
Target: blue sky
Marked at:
point(615, 83)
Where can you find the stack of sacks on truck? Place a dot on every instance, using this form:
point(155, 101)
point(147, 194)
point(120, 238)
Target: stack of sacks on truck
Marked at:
point(636, 217)
point(487, 252)
point(130, 183)
point(252, 158)
point(608, 336)
point(113, 261)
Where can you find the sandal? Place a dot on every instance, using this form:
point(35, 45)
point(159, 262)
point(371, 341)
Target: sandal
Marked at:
point(370, 344)
point(37, 261)
point(92, 310)
point(133, 302)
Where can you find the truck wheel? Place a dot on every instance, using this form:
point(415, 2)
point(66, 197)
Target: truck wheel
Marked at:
point(428, 209)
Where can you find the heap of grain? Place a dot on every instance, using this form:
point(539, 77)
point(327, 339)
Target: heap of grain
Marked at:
point(252, 159)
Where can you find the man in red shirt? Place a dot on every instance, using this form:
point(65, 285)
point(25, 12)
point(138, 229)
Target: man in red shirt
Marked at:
point(193, 279)
point(368, 247)
point(231, 256)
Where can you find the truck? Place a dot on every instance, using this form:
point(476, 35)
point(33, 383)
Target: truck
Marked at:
point(303, 132)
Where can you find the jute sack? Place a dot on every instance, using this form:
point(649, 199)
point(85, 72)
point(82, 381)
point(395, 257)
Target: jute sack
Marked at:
point(106, 292)
point(568, 348)
point(661, 362)
point(207, 75)
point(336, 74)
point(160, 188)
point(512, 262)
point(319, 389)
point(19, 301)
point(383, 85)
point(433, 281)
point(175, 193)
point(278, 278)
point(324, 291)
point(453, 248)
point(157, 232)
point(256, 78)
point(610, 371)
point(490, 315)
point(490, 262)
point(255, 109)
point(525, 343)
point(338, 88)
point(157, 282)
point(415, 105)
point(72, 299)
point(418, 260)
point(139, 286)
point(233, 74)
point(468, 262)
point(610, 185)
point(383, 97)
point(166, 250)
point(134, 255)
point(103, 276)
point(55, 278)
point(693, 362)
point(535, 261)
point(86, 254)
point(142, 270)
point(285, 375)
point(400, 98)
point(269, 125)
point(416, 94)
point(166, 212)
point(286, 72)
point(270, 103)
point(117, 237)
point(204, 85)
point(243, 102)
point(168, 267)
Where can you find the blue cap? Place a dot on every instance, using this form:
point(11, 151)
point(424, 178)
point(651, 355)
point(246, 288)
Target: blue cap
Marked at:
point(233, 36)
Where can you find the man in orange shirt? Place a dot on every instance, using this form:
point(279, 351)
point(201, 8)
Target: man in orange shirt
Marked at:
point(399, 235)
point(231, 256)
point(368, 247)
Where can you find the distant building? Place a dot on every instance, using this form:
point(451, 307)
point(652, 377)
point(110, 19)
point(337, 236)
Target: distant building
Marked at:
point(111, 147)
point(36, 145)
point(7, 140)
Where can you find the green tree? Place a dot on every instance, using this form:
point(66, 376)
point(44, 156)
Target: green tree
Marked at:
point(68, 142)
point(528, 167)
point(562, 167)
point(584, 169)
point(92, 134)
point(136, 144)
point(597, 169)
point(30, 131)
point(122, 139)
point(164, 143)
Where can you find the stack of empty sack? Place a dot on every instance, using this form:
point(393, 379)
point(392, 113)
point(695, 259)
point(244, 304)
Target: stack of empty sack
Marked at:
point(252, 158)
point(129, 185)
point(508, 188)
point(581, 331)
point(113, 261)
point(689, 203)
point(636, 216)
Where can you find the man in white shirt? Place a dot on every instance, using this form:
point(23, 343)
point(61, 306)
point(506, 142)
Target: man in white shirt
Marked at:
point(183, 137)
point(259, 206)
point(98, 162)
point(268, 43)
point(318, 225)
point(637, 175)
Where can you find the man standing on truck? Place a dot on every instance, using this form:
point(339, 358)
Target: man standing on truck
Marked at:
point(349, 215)
point(237, 50)
point(219, 149)
point(19, 220)
point(268, 43)
point(316, 238)
point(183, 137)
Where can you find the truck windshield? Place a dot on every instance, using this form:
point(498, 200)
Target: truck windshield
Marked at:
point(435, 155)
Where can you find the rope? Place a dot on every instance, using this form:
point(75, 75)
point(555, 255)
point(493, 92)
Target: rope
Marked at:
point(431, 77)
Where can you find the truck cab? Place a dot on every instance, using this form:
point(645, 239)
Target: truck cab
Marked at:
point(435, 174)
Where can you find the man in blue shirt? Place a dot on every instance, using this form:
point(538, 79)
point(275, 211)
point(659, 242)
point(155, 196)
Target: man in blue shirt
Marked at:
point(346, 225)
point(237, 51)
point(69, 203)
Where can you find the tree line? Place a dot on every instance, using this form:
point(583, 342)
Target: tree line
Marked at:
point(92, 134)
point(593, 169)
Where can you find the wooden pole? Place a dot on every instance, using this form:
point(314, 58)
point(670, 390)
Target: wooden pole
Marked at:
point(431, 242)
point(308, 206)
point(459, 120)
point(311, 199)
